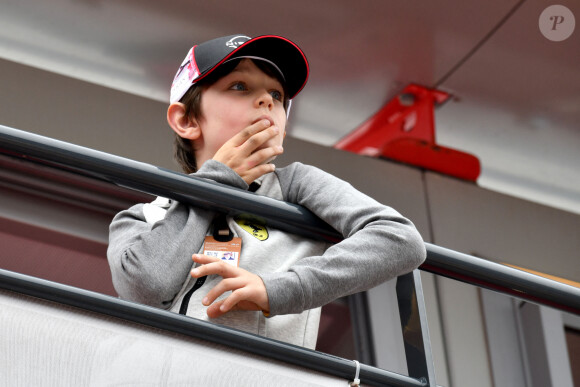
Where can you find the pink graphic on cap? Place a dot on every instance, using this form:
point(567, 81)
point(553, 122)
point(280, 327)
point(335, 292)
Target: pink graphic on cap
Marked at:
point(191, 67)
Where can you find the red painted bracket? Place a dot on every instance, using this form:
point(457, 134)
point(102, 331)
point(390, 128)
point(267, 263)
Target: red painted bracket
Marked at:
point(404, 130)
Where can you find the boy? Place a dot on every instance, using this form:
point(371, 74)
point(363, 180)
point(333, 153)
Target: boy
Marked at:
point(229, 105)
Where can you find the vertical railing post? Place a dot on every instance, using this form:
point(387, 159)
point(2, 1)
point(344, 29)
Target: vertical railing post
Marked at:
point(414, 327)
point(363, 337)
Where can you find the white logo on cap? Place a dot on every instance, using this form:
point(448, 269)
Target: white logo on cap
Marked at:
point(237, 41)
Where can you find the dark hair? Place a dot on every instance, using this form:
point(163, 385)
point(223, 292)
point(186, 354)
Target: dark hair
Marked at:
point(183, 148)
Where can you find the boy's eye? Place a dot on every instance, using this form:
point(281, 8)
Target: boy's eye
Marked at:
point(239, 86)
point(276, 95)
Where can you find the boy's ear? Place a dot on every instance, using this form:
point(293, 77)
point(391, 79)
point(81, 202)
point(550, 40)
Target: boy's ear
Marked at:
point(181, 123)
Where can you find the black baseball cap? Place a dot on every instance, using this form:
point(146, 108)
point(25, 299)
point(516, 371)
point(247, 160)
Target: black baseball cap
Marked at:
point(280, 52)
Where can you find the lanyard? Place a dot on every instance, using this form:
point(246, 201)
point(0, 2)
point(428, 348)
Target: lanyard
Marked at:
point(221, 233)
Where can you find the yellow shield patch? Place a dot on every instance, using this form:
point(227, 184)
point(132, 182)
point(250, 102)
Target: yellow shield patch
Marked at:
point(253, 227)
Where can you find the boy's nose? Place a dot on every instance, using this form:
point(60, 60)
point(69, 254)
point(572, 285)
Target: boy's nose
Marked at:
point(265, 99)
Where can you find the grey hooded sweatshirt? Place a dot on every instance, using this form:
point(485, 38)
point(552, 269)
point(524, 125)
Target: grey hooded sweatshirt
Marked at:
point(151, 245)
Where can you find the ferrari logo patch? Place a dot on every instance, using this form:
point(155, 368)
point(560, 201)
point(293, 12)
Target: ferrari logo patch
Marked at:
point(253, 227)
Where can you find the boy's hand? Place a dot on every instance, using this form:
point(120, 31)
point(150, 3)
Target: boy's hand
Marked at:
point(242, 154)
point(248, 290)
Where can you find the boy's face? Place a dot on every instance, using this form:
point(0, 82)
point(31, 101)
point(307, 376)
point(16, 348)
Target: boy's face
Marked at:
point(236, 101)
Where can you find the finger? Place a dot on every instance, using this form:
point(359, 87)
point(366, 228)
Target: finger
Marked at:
point(219, 308)
point(259, 139)
point(256, 172)
point(203, 259)
point(214, 310)
point(232, 301)
point(248, 132)
point(261, 156)
point(218, 268)
point(222, 287)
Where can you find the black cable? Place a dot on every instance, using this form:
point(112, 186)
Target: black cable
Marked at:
point(479, 44)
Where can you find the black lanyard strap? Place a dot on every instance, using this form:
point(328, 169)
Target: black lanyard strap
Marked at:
point(221, 233)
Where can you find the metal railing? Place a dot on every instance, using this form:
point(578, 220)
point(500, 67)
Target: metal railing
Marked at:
point(286, 216)
point(173, 322)
point(293, 218)
point(501, 278)
point(206, 194)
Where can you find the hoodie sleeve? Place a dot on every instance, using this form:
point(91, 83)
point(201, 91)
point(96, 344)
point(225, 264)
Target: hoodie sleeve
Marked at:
point(379, 243)
point(150, 245)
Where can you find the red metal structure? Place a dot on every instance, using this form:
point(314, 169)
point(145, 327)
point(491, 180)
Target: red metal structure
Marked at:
point(404, 130)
